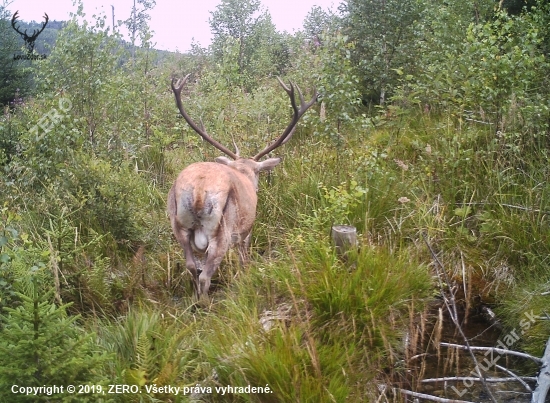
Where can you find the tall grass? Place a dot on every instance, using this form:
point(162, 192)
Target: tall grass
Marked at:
point(312, 326)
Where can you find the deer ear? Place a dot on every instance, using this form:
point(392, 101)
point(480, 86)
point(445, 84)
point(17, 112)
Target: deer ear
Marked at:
point(269, 163)
point(223, 160)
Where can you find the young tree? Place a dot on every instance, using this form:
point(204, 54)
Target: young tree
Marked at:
point(317, 22)
point(138, 23)
point(383, 33)
point(41, 346)
point(238, 19)
point(244, 24)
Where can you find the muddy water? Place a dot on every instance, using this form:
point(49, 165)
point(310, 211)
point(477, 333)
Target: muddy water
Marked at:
point(439, 362)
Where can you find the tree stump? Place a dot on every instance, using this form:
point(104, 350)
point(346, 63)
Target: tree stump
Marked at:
point(344, 238)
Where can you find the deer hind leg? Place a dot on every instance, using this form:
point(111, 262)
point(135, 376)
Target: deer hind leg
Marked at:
point(183, 237)
point(243, 248)
point(217, 248)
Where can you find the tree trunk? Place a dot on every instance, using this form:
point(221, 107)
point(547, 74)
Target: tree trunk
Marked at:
point(543, 380)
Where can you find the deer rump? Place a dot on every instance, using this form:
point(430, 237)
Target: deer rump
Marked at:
point(213, 205)
point(212, 202)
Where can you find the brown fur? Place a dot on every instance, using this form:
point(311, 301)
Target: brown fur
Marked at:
point(212, 206)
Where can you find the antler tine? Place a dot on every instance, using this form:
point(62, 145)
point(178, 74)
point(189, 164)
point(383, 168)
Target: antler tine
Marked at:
point(298, 113)
point(177, 87)
point(236, 148)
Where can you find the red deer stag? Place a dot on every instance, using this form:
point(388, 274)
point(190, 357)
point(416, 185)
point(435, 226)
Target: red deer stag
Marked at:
point(212, 205)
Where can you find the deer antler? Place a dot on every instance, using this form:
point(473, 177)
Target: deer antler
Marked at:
point(177, 87)
point(289, 131)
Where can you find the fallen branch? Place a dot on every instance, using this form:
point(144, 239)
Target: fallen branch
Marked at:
point(415, 357)
point(478, 121)
point(512, 206)
point(493, 349)
point(430, 397)
point(476, 379)
point(516, 377)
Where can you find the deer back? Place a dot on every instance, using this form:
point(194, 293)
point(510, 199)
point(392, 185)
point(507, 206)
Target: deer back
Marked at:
point(213, 200)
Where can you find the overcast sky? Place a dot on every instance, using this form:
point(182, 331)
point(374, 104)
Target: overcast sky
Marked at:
point(174, 23)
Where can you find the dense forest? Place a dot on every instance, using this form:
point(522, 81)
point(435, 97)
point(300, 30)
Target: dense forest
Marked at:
point(430, 136)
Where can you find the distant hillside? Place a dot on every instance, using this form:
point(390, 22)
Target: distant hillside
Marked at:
point(46, 40)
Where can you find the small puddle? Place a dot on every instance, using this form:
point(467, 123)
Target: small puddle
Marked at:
point(432, 361)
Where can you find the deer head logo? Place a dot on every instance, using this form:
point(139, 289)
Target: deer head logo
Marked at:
point(29, 39)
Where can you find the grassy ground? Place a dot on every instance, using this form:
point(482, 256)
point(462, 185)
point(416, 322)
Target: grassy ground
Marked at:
point(311, 326)
point(316, 328)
